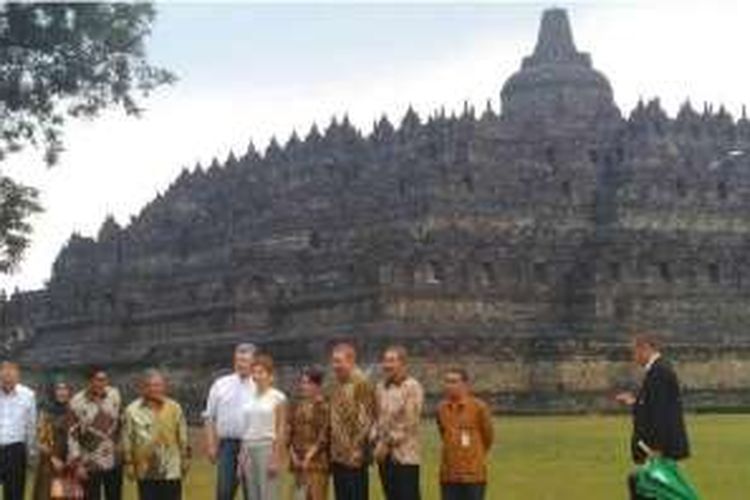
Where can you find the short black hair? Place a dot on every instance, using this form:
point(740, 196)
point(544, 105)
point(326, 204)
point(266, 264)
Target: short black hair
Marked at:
point(314, 374)
point(94, 370)
point(460, 371)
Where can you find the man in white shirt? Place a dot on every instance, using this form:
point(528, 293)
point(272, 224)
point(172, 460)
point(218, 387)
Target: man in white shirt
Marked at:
point(17, 430)
point(225, 423)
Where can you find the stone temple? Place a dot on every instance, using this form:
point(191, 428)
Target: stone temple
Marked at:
point(525, 244)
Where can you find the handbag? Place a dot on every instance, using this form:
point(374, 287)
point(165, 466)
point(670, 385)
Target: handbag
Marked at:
point(66, 487)
point(661, 478)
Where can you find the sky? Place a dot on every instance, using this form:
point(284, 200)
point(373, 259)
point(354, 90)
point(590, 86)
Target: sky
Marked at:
point(251, 71)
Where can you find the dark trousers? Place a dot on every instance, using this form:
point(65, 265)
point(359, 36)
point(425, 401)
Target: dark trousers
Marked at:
point(462, 491)
point(350, 483)
point(227, 479)
point(13, 470)
point(160, 490)
point(103, 482)
point(400, 481)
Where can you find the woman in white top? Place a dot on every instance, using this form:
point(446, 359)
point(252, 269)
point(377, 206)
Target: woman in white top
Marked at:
point(263, 443)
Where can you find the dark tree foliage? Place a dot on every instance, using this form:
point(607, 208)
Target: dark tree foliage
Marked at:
point(57, 61)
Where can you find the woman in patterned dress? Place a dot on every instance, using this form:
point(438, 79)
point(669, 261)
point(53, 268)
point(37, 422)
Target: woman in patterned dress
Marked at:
point(58, 468)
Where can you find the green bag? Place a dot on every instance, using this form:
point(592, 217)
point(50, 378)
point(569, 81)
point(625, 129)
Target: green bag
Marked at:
point(661, 479)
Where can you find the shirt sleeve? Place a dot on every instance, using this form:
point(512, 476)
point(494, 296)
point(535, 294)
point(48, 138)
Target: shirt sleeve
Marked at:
point(402, 428)
point(31, 423)
point(323, 426)
point(74, 448)
point(368, 410)
point(485, 426)
point(210, 412)
point(127, 440)
point(184, 441)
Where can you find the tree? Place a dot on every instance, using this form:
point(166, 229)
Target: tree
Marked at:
point(61, 61)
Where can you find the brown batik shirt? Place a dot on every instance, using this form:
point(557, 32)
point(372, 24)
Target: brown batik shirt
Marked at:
point(466, 430)
point(308, 429)
point(352, 418)
point(97, 436)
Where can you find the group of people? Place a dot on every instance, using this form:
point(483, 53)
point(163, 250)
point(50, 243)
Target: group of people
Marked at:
point(338, 432)
point(86, 442)
point(83, 443)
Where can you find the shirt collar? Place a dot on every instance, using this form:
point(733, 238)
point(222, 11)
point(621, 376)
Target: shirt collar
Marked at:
point(653, 359)
point(397, 381)
point(13, 391)
point(91, 397)
point(458, 403)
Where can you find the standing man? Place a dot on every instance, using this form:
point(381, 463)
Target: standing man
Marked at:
point(17, 430)
point(155, 441)
point(352, 402)
point(658, 423)
point(98, 409)
point(465, 425)
point(225, 424)
point(400, 399)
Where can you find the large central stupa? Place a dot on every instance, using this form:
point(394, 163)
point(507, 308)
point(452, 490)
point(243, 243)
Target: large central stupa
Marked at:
point(525, 244)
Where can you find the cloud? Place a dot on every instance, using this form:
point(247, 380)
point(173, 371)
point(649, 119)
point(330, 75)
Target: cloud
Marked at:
point(115, 165)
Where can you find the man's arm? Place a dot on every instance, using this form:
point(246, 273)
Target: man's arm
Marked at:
point(486, 429)
point(663, 411)
point(409, 425)
point(210, 435)
point(368, 410)
point(183, 440)
point(31, 426)
point(127, 446)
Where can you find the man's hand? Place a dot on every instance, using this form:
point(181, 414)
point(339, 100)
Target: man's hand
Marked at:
point(308, 459)
point(130, 472)
point(381, 452)
point(57, 464)
point(625, 398)
point(274, 466)
point(82, 473)
point(212, 452)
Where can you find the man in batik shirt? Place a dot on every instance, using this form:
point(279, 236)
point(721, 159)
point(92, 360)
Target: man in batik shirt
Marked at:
point(155, 441)
point(352, 403)
point(308, 438)
point(98, 409)
point(400, 399)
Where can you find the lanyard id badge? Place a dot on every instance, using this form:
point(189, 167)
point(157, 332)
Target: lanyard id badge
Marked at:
point(465, 438)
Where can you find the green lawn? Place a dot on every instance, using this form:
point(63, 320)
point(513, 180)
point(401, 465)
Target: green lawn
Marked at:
point(574, 458)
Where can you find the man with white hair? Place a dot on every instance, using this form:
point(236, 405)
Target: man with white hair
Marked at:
point(225, 421)
point(17, 430)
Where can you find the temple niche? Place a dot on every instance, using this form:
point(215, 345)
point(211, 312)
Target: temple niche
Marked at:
point(529, 241)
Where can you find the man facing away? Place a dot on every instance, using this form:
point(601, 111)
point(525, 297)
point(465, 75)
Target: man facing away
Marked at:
point(17, 430)
point(400, 398)
point(155, 441)
point(98, 409)
point(225, 424)
point(352, 403)
point(658, 423)
point(465, 425)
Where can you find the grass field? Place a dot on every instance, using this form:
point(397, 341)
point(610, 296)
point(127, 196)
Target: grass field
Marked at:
point(573, 458)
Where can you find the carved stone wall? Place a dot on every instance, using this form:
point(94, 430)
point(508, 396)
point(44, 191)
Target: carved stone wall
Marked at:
point(525, 244)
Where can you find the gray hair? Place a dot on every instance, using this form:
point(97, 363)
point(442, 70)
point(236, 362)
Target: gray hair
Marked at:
point(152, 373)
point(245, 348)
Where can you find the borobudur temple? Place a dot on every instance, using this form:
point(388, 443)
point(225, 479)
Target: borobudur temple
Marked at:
point(526, 244)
